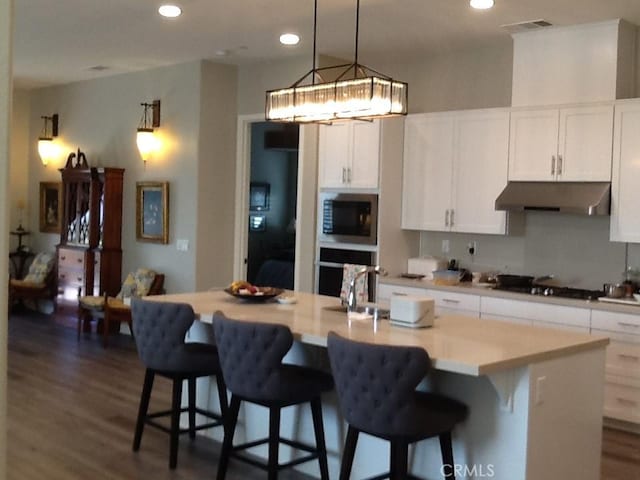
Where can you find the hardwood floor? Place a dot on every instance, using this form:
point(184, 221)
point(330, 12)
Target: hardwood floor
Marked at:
point(72, 408)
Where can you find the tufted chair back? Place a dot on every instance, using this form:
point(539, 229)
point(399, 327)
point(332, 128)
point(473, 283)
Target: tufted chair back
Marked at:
point(159, 329)
point(376, 384)
point(251, 357)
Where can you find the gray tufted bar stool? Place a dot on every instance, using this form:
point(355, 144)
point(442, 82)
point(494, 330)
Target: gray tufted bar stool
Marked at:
point(251, 359)
point(159, 331)
point(376, 386)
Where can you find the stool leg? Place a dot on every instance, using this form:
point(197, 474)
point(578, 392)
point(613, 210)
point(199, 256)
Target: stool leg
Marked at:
point(399, 452)
point(447, 456)
point(176, 404)
point(192, 407)
point(318, 427)
point(105, 329)
point(144, 407)
point(222, 395)
point(230, 419)
point(349, 453)
point(274, 442)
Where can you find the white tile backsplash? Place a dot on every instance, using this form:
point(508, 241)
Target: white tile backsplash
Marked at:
point(574, 248)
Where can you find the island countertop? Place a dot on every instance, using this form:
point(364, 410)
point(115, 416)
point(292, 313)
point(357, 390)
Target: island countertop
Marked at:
point(455, 343)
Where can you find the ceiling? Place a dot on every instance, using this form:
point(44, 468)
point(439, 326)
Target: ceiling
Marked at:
point(63, 40)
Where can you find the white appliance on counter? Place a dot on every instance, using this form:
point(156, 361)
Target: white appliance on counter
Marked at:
point(412, 312)
point(425, 266)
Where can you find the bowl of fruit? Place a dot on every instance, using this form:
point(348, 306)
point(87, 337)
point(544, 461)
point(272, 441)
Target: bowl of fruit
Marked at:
point(251, 293)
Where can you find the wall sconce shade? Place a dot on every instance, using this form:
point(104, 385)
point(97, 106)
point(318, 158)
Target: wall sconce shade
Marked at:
point(46, 148)
point(358, 92)
point(145, 138)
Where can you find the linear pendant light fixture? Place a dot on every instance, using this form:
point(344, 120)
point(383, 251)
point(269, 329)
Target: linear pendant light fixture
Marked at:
point(357, 93)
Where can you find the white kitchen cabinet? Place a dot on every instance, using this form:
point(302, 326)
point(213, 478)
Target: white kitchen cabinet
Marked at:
point(455, 166)
point(349, 154)
point(561, 144)
point(625, 181)
point(542, 314)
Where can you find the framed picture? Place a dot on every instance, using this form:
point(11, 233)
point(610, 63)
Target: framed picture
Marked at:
point(152, 212)
point(259, 196)
point(50, 207)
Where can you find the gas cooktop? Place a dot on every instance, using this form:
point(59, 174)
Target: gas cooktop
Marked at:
point(563, 292)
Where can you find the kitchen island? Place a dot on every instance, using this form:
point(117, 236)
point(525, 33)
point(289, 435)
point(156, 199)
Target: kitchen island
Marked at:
point(535, 394)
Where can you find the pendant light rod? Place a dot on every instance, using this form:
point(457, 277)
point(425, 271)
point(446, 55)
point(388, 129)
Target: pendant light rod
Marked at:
point(357, 33)
point(315, 34)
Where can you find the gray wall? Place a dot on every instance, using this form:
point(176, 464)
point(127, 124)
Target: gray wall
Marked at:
point(197, 158)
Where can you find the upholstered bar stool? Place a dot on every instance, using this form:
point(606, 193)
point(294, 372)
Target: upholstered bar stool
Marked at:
point(251, 359)
point(376, 387)
point(159, 331)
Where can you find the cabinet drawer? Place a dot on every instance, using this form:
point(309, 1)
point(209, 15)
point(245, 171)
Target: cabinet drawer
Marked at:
point(622, 402)
point(561, 326)
point(615, 322)
point(70, 276)
point(500, 318)
point(578, 317)
point(455, 301)
point(385, 291)
point(70, 258)
point(623, 359)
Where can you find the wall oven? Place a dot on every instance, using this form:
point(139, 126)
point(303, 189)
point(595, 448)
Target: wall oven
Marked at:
point(330, 266)
point(348, 218)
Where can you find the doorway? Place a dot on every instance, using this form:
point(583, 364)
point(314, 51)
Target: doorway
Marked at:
point(272, 200)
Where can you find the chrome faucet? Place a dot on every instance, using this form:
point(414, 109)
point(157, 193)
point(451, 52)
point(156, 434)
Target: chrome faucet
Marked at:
point(352, 298)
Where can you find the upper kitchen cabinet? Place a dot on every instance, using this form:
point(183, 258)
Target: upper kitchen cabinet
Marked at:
point(455, 166)
point(625, 182)
point(561, 144)
point(349, 155)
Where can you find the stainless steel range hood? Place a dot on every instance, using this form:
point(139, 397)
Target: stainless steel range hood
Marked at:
point(585, 198)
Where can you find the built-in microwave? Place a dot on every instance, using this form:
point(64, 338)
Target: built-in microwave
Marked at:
point(348, 218)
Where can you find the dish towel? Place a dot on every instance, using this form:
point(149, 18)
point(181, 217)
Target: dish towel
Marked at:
point(362, 284)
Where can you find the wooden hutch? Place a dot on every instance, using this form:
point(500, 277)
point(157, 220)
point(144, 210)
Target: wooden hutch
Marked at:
point(90, 249)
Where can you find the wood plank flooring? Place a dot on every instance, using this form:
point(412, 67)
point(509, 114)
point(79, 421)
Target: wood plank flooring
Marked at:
point(72, 408)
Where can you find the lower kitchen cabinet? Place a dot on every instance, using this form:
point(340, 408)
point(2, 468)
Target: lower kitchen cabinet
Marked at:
point(539, 314)
point(622, 388)
point(446, 302)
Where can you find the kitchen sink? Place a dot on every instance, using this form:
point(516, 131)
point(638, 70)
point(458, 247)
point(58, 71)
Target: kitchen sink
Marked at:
point(377, 312)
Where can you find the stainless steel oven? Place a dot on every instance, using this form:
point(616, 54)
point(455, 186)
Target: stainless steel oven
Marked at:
point(330, 265)
point(348, 218)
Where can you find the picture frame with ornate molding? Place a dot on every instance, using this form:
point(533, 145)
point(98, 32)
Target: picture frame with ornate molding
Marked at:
point(152, 212)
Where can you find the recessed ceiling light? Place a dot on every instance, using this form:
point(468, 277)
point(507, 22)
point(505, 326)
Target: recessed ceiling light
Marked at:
point(289, 39)
point(481, 4)
point(170, 11)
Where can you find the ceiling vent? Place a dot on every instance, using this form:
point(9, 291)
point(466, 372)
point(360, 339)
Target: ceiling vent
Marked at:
point(525, 26)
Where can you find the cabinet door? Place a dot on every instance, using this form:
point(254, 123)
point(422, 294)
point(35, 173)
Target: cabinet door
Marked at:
point(585, 142)
point(480, 171)
point(363, 172)
point(334, 154)
point(625, 181)
point(533, 145)
point(428, 156)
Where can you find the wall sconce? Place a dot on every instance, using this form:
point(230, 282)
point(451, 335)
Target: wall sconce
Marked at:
point(46, 149)
point(145, 139)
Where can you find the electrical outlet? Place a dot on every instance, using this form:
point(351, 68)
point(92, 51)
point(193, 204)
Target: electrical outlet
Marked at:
point(182, 245)
point(445, 246)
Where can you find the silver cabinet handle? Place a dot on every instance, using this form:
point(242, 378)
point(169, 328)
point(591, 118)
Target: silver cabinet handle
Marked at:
point(451, 217)
point(349, 175)
point(630, 325)
point(633, 358)
point(625, 401)
point(553, 164)
point(344, 175)
point(446, 218)
point(559, 164)
point(448, 300)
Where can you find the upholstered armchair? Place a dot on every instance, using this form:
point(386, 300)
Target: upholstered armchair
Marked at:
point(39, 283)
point(115, 310)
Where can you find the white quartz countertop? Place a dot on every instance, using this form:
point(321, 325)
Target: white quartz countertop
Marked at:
point(472, 289)
point(455, 343)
